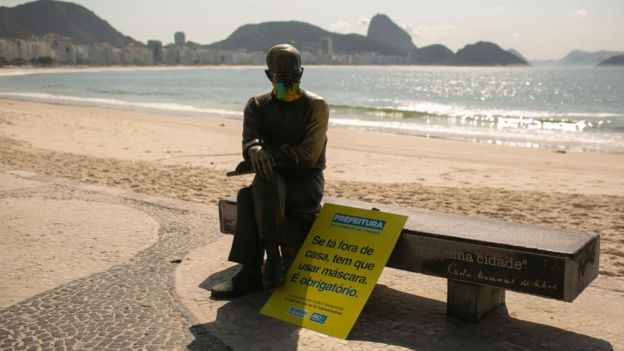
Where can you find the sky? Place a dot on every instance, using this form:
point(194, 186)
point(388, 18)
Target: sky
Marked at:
point(538, 29)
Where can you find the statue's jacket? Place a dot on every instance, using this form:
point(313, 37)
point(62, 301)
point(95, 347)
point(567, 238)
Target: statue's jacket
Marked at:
point(294, 133)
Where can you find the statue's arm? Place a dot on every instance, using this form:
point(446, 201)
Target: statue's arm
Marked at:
point(251, 130)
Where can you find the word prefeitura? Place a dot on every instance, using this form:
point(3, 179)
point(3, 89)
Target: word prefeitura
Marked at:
point(373, 225)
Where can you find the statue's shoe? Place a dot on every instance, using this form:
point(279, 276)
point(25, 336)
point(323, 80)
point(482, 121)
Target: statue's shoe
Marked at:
point(239, 285)
point(273, 275)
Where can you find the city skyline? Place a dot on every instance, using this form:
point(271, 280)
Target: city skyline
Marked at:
point(537, 30)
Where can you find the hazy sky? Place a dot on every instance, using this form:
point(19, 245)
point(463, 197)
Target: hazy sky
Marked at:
point(539, 29)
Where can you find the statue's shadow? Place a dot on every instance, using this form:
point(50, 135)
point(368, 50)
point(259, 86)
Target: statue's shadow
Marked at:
point(240, 325)
point(398, 318)
point(390, 317)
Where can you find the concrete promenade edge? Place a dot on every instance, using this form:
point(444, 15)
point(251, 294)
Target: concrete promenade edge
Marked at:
point(126, 307)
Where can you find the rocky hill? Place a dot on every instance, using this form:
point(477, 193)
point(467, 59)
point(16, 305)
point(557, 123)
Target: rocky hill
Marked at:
point(486, 54)
point(67, 19)
point(617, 60)
point(517, 53)
point(382, 29)
point(585, 58)
point(385, 42)
point(384, 38)
point(307, 37)
point(433, 55)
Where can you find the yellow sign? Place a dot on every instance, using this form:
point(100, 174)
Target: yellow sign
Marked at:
point(336, 269)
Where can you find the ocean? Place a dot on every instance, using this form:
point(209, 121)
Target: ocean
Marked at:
point(572, 109)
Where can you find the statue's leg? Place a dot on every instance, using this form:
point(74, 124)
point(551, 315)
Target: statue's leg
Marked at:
point(246, 249)
point(269, 200)
point(246, 246)
point(303, 203)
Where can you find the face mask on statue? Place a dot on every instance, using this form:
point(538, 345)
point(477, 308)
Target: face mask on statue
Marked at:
point(288, 94)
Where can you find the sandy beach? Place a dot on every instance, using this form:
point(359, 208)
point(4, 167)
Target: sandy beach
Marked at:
point(185, 158)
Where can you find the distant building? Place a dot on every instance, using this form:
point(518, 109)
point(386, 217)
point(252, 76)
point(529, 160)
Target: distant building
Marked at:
point(184, 56)
point(171, 55)
point(180, 38)
point(24, 49)
point(136, 55)
point(104, 54)
point(62, 49)
point(83, 54)
point(326, 48)
point(8, 49)
point(157, 51)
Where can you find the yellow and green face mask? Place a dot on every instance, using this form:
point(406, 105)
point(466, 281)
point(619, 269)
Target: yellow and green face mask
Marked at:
point(287, 94)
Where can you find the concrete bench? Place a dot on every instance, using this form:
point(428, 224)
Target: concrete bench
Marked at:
point(481, 258)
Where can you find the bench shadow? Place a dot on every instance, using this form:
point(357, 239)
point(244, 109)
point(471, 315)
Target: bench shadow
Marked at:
point(390, 317)
point(402, 319)
point(239, 323)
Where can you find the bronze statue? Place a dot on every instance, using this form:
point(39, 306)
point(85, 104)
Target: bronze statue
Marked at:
point(284, 140)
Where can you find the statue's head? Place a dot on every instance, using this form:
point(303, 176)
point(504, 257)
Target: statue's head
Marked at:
point(284, 65)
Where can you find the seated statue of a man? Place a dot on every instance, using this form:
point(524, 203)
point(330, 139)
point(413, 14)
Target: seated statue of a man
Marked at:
point(284, 138)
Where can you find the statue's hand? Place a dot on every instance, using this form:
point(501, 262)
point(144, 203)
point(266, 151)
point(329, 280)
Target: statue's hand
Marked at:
point(262, 161)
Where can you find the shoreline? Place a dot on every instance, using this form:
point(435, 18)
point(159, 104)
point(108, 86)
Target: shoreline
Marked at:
point(573, 129)
point(9, 71)
point(390, 156)
point(180, 110)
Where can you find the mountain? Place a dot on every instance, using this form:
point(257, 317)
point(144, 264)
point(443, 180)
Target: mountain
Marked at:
point(517, 53)
point(382, 29)
point(385, 41)
point(617, 60)
point(67, 19)
point(486, 54)
point(584, 58)
point(433, 55)
point(307, 37)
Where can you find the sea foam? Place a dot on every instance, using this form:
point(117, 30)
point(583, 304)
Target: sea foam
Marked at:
point(171, 107)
